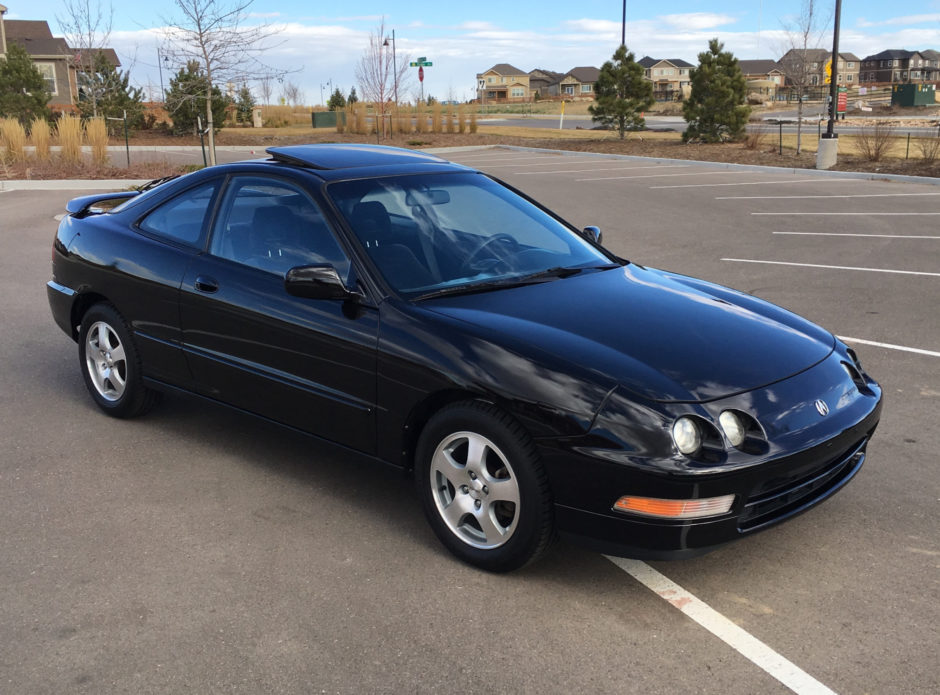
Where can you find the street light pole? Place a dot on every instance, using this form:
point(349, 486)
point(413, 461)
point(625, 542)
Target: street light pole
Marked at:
point(623, 25)
point(160, 68)
point(394, 68)
point(833, 77)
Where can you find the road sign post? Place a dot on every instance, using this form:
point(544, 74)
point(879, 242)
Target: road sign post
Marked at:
point(421, 63)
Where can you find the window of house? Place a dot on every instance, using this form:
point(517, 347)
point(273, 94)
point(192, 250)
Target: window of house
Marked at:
point(569, 89)
point(586, 88)
point(47, 70)
point(851, 64)
point(518, 91)
point(669, 71)
point(848, 78)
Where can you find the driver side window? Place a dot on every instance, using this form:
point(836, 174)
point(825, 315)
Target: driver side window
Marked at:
point(273, 225)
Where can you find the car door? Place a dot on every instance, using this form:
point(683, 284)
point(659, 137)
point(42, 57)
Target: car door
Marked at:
point(307, 363)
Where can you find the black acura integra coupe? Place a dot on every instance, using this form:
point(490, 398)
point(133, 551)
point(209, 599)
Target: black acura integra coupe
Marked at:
point(426, 315)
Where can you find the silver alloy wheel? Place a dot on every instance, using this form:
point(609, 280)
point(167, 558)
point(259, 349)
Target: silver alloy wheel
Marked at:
point(475, 490)
point(106, 361)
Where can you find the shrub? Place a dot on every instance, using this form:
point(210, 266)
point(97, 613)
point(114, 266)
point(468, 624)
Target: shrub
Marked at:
point(69, 135)
point(436, 118)
point(39, 135)
point(461, 119)
point(421, 120)
point(96, 134)
point(473, 122)
point(755, 139)
point(873, 142)
point(929, 149)
point(449, 120)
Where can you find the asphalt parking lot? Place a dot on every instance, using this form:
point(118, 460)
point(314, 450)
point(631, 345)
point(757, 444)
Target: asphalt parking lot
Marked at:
point(196, 550)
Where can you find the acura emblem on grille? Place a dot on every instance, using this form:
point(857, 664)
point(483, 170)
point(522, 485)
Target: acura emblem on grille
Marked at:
point(821, 407)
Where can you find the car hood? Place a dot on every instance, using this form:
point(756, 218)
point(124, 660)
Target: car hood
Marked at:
point(665, 337)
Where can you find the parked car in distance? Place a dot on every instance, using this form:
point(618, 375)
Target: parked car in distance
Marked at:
point(424, 314)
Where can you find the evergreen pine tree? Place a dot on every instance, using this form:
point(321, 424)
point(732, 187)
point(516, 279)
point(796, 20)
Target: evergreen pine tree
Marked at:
point(106, 91)
point(353, 97)
point(244, 104)
point(23, 93)
point(621, 93)
point(336, 101)
point(716, 109)
point(186, 100)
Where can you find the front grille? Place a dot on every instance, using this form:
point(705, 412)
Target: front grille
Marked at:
point(768, 507)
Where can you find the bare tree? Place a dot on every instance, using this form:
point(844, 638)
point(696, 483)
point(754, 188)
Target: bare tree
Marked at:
point(803, 38)
point(266, 88)
point(87, 29)
point(292, 94)
point(214, 33)
point(380, 71)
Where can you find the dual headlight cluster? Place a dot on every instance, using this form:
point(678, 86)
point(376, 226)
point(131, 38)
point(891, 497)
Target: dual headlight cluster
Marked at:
point(691, 433)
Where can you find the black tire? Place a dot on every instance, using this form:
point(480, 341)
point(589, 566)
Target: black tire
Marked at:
point(491, 508)
point(110, 364)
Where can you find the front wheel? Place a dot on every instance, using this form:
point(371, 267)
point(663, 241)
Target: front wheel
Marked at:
point(111, 365)
point(483, 488)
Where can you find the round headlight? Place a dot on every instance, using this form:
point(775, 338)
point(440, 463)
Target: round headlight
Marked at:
point(733, 428)
point(686, 435)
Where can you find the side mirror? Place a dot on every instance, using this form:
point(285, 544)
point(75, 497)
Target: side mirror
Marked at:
point(317, 282)
point(592, 234)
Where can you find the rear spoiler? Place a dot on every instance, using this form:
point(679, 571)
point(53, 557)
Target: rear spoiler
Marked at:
point(90, 204)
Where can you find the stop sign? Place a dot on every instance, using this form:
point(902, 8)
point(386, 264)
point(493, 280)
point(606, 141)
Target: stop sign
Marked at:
point(420, 74)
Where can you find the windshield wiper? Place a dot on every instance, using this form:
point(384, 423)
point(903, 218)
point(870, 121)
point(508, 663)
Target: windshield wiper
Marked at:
point(534, 278)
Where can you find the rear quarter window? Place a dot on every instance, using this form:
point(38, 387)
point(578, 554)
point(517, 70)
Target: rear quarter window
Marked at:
point(182, 218)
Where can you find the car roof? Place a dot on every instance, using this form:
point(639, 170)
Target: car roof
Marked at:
point(350, 156)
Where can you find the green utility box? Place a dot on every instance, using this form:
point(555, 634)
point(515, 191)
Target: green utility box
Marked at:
point(327, 119)
point(913, 95)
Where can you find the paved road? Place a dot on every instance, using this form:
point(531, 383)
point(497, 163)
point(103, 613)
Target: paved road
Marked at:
point(196, 550)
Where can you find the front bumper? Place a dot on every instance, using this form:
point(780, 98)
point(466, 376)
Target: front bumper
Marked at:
point(783, 485)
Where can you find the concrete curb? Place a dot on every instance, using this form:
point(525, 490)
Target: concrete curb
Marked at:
point(113, 184)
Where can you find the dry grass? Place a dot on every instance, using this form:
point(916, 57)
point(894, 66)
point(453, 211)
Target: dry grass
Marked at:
point(13, 139)
point(40, 136)
point(473, 122)
point(461, 119)
point(340, 120)
point(421, 120)
point(96, 135)
point(928, 149)
point(449, 121)
point(69, 135)
point(436, 112)
point(285, 115)
point(873, 142)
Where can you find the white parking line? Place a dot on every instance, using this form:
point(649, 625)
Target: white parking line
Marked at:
point(754, 183)
point(812, 197)
point(545, 164)
point(516, 158)
point(751, 648)
point(653, 176)
point(880, 236)
point(620, 168)
point(833, 267)
point(854, 214)
point(889, 346)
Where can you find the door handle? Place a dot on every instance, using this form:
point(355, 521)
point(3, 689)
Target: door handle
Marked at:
point(207, 284)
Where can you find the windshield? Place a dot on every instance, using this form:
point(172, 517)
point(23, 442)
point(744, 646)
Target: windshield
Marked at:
point(435, 232)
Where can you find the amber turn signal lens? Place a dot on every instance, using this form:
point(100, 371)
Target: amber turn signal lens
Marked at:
point(675, 509)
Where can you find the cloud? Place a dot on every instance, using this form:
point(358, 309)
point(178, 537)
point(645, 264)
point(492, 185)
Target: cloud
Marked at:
point(263, 15)
point(698, 21)
point(900, 21)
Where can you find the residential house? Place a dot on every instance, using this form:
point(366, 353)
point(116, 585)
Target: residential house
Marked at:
point(931, 68)
point(896, 65)
point(670, 76)
point(59, 65)
point(540, 80)
point(503, 82)
point(576, 83)
point(765, 70)
point(816, 62)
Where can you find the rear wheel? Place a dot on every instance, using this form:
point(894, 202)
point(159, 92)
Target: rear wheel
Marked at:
point(483, 488)
point(110, 364)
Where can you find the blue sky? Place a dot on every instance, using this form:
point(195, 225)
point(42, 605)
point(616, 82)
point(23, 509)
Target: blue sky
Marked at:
point(322, 41)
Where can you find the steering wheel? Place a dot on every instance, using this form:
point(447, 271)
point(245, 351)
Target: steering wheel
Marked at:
point(500, 237)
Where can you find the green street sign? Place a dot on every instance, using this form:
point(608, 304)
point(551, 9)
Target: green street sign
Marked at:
point(421, 59)
point(420, 63)
point(412, 64)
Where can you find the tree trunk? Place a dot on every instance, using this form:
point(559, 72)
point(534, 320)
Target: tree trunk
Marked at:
point(210, 125)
